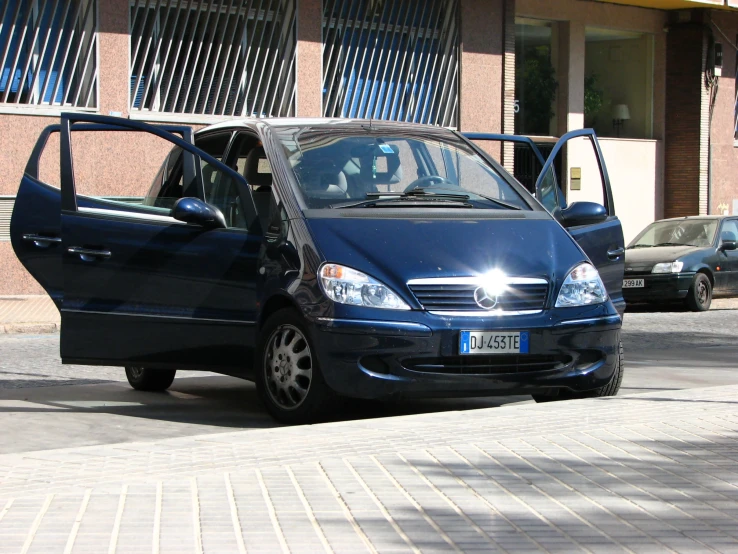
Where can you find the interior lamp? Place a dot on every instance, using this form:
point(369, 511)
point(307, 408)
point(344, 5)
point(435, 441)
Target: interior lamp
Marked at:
point(620, 114)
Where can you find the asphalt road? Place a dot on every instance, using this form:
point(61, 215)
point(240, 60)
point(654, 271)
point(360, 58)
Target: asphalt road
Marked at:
point(44, 405)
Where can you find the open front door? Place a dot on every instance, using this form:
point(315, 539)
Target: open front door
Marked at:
point(602, 240)
point(142, 288)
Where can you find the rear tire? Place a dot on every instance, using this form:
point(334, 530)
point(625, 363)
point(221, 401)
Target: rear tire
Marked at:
point(611, 389)
point(288, 377)
point(150, 380)
point(699, 296)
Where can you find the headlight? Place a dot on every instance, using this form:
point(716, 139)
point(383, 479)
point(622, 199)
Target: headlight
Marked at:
point(671, 267)
point(348, 286)
point(582, 287)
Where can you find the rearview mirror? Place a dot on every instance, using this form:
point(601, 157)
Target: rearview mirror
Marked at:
point(583, 213)
point(197, 212)
point(729, 245)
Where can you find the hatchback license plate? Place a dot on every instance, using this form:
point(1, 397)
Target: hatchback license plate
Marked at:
point(633, 283)
point(488, 342)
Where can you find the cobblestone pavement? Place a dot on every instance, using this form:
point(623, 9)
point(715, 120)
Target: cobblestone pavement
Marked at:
point(644, 473)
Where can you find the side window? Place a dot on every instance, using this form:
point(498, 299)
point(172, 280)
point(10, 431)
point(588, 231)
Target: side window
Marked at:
point(730, 230)
point(248, 158)
point(127, 169)
point(167, 186)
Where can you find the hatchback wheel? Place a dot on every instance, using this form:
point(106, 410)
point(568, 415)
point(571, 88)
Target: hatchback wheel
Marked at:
point(611, 389)
point(699, 296)
point(152, 380)
point(289, 380)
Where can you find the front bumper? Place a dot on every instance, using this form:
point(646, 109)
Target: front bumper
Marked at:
point(658, 287)
point(391, 359)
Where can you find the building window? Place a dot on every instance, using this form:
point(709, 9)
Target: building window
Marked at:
point(48, 53)
point(391, 60)
point(536, 82)
point(224, 59)
point(618, 83)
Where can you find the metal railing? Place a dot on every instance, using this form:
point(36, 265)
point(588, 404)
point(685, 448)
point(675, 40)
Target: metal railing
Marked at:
point(48, 53)
point(395, 60)
point(225, 57)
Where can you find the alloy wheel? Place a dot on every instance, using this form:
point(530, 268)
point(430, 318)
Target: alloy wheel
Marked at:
point(136, 372)
point(702, 292)
point(288, 367)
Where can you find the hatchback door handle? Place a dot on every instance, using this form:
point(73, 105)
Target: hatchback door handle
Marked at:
point(615, 254)
point(40, 241)
point(88, 254)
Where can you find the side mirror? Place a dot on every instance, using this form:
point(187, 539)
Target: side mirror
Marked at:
point(729, 245)
point(583, 213)
point(197, 212)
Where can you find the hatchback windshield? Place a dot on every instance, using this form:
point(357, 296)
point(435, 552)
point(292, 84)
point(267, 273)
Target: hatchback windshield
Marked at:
point(364, 167)
point(683, 232)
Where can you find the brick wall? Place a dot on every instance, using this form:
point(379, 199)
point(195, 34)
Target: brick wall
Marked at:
point(682, 170)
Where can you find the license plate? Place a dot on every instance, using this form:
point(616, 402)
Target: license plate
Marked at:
point(633, 283)
point(488, 342)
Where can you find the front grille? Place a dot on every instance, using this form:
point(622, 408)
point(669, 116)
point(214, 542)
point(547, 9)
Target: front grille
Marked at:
point(460, 297)
point(487, 365)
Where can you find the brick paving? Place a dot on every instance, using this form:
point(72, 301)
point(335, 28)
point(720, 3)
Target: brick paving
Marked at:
point(642, 473)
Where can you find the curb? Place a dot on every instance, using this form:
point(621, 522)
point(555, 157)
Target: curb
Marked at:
point(29, 328)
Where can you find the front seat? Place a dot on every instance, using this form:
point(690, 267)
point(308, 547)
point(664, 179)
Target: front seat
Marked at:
point(258, 174)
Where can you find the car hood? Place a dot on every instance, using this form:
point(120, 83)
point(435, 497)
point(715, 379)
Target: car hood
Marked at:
point(638, 258)
point(397, 250)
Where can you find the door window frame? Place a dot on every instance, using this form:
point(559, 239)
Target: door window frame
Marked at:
point(192, 169)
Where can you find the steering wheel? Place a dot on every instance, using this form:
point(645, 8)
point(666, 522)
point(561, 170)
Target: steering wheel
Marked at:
point(429, 181)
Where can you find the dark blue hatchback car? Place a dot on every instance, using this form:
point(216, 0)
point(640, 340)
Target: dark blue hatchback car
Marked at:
point(331, 257)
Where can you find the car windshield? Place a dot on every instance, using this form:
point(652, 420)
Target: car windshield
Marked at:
point(363, 166)
point(683, 232)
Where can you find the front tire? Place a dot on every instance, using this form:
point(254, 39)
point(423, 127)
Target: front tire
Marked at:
point(611, 389)
point(699, 296)
point(288, 377)
point(150, 380)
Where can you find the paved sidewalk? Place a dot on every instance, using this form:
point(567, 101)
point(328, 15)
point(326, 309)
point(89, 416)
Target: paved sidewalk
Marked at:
point(28, 314)
point(643, 473)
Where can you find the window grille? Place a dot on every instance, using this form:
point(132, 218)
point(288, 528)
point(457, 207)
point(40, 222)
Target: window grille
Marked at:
point(396, 60)
point(48, 53)
point(226, 58)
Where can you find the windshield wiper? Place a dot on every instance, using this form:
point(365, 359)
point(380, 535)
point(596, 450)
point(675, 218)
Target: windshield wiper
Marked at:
point(404, 201)
point(642, 246)
point(673, 244)
point(418, 193)
point(413, 198)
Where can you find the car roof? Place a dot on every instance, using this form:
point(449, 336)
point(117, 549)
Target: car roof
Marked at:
point(319, 121)
point(694, 218)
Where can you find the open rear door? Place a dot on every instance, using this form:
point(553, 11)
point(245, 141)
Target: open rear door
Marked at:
point(603, 241)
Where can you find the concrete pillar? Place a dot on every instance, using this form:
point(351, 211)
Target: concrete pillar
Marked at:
point(113, 49)
point(309, 58)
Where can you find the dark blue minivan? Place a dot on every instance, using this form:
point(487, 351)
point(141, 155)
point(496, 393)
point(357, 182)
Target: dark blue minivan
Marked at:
point(325, 257)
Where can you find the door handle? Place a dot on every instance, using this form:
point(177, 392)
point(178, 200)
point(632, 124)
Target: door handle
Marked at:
point(88, 254)
point(615, 254)
point(40, 241)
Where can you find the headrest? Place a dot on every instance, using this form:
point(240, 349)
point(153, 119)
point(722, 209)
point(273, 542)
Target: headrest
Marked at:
point(257, 170)
point(380, 165)
point(323, 181)
point(728, 235)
